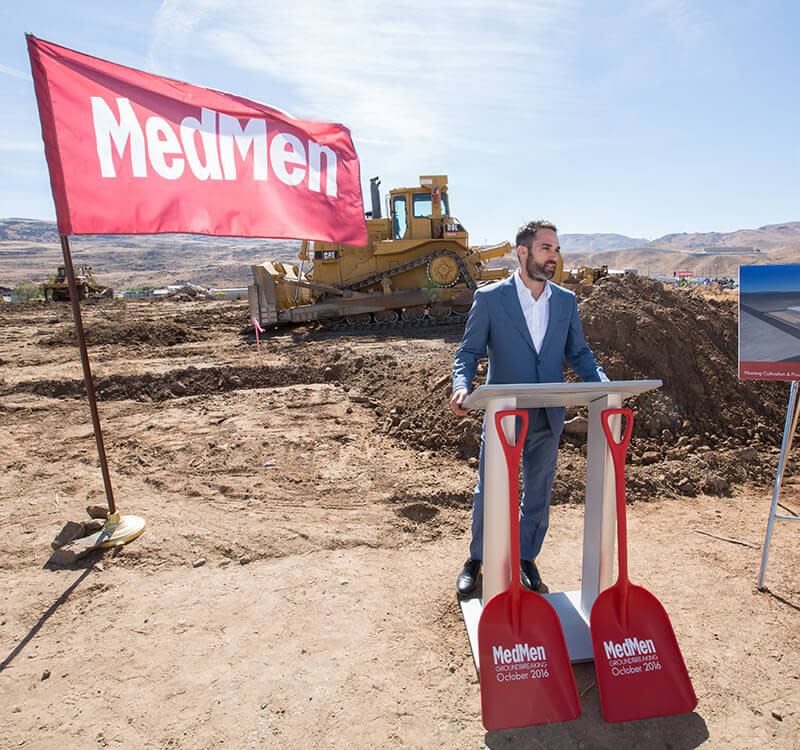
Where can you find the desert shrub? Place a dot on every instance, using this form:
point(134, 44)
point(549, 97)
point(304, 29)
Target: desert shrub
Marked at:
point(28, 290)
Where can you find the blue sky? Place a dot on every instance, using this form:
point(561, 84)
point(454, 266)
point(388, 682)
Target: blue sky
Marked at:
point(641, 118)
point(770, 278)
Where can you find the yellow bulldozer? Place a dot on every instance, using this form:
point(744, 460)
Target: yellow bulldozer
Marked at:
point(583, 275)
point(416, 267)
point(56, 287)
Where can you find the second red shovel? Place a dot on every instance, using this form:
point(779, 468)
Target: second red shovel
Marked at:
point(640, 670)
point(525, 673)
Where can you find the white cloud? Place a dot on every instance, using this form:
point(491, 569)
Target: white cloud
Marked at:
point(683, 18)
point(35, 146)
point(14, 73)
point(417, 77)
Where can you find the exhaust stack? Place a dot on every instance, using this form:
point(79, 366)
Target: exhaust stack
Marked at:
point(375, 195)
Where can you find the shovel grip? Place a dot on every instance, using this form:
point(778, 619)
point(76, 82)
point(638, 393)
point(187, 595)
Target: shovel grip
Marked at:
point(618, 449)
point(618, 453)
point(512, 454)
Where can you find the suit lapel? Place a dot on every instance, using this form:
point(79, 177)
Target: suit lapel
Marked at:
point(512, 307)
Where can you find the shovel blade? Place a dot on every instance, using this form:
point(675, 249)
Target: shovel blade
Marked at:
point(525, 674)
point(640, 670)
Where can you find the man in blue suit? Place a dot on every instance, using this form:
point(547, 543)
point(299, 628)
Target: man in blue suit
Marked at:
point(530, 327)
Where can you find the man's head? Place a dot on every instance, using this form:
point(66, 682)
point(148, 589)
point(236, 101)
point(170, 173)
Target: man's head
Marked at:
point(538, 249)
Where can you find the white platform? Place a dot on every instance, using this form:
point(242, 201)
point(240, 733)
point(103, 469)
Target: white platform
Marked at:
point(600, 517)
point(567, 604)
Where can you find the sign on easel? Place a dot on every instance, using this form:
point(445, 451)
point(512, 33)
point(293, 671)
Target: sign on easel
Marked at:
point(769, 322)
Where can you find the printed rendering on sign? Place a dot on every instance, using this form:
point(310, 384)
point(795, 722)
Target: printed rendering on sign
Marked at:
point(769, 322)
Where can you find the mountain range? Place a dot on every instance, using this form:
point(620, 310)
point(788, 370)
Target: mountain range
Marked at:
point(30, 250)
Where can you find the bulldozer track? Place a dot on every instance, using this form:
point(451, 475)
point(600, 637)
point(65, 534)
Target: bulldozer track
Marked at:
point(376, 278)
point(427, 322)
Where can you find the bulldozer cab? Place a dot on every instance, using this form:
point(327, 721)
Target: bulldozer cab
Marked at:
point(420, 213)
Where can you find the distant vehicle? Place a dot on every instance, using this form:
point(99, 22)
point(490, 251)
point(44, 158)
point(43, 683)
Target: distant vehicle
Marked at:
point(56, 287)
point(582, 275)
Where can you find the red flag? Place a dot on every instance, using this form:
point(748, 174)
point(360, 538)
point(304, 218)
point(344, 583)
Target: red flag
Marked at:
point(133, 153)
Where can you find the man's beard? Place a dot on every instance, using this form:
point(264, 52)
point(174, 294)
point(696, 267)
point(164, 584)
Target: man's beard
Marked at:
point(538, 272)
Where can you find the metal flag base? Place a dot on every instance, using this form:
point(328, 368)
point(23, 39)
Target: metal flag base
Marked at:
point(120, 529)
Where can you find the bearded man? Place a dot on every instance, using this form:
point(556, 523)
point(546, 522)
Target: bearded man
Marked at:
point(530, 327)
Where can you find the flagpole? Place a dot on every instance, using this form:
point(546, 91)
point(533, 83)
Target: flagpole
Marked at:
point(117, 529)
point(87, 371)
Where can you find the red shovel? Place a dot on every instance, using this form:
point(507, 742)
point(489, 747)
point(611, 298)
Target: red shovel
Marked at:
point(640, 670)
point(525, 673)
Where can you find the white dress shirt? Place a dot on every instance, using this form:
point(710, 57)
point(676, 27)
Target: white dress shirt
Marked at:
point(535, 311)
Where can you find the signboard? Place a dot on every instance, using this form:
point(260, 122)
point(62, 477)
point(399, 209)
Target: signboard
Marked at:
point(769, 322)
point(685, 274)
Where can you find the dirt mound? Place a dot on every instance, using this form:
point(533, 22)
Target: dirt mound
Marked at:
point(152, 322)
point(127, 333)
point(703, 431)
point(640, 328)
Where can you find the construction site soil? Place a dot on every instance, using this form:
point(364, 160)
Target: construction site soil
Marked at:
point(308, 509)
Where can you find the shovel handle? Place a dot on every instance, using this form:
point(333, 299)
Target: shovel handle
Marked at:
point(512, 454)
point(618, 453)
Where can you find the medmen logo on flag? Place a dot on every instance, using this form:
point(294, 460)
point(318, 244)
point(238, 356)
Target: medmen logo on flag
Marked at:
point(133, 153)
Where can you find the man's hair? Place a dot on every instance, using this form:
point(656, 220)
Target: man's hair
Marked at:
point(527, 234)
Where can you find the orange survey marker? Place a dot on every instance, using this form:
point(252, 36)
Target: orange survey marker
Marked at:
point(525, 673)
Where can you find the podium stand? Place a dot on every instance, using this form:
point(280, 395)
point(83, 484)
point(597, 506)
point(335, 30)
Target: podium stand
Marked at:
point(599, 526)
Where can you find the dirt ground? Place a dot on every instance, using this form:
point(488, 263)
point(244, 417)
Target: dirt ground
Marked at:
point(327, 489)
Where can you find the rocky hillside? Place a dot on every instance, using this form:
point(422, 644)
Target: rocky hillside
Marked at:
point(30, 250)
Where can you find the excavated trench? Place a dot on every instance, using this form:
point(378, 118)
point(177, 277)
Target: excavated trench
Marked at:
point(189, 381)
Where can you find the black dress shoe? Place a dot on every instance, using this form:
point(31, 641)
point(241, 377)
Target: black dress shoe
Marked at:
point(529, 575)
point(468, 577)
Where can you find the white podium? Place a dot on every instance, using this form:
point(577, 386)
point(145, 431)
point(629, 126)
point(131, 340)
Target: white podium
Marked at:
point(600, 516)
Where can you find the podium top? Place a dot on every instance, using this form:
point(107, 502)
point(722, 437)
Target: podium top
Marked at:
point(532, 395)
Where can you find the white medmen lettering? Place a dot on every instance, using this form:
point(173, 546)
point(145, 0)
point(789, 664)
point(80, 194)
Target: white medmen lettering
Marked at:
point(207, 127)
point(169, 154)
point(127, 128)
point(279, 157)
point(629, 647)
point(522, 652)
point(162, 142)
point(315, 152)
point(254, 134)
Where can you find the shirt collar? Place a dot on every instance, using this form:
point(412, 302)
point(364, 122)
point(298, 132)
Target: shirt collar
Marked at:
point(525, 294)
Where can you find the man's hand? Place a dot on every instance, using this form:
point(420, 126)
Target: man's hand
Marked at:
point(459, 394)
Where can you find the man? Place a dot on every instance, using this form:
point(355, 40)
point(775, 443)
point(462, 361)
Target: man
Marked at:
point(530, 327)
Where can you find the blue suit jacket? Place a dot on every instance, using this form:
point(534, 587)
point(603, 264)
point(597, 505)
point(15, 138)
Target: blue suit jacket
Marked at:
point(496, 323)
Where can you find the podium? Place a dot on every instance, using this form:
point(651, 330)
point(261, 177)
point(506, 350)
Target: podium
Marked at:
point(600, 516)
